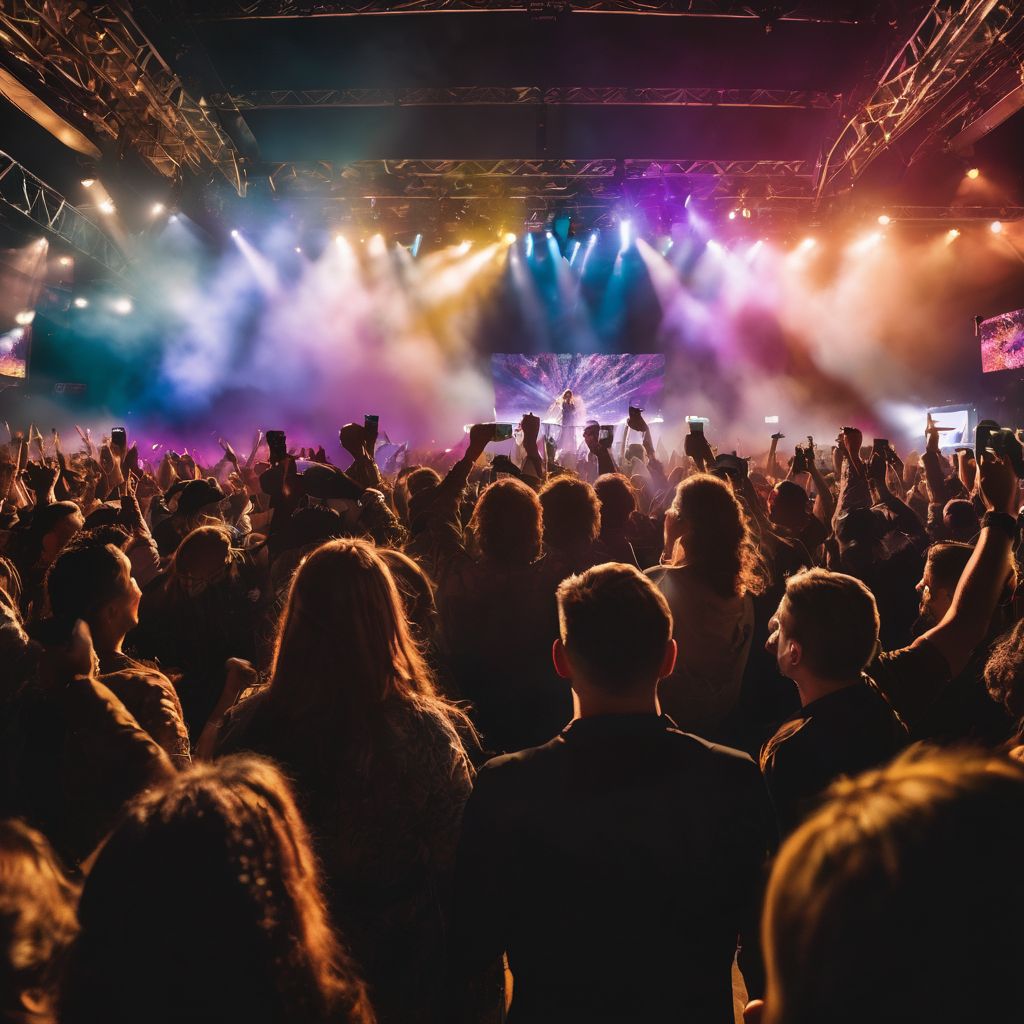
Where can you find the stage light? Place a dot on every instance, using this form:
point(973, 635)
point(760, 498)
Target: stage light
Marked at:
point(732, 215)
point(157, 208)
point(106, 207)
point(686, 202)
point(746, 213)
point(65, 261)
point(377, 246)
point(771, 419)
point(25, 317)
point(298, 248)
point(234, 232)
point(996, 227)
point(548, 234)
point(625, 234)
point(593, 238)
point(808, 243)
point(510, 238)
point(80, 303)
point(884, 219)
point(122, 306)
point(88, 182)
point(173, 218)
point(416, 245)
point(529, 245)
point(340, 239)
point(952, 235)
point(974, 173)
point(575, 251)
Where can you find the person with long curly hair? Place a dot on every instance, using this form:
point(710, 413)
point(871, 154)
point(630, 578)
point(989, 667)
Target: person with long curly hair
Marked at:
point(709, 573)
point(204, 905)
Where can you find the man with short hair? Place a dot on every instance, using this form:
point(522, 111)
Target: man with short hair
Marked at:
point(617, 864)
point(824, 634)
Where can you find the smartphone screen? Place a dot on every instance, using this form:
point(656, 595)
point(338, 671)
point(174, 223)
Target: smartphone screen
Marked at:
point(370, 422)
point(606, 435)
point(696, 427)
point(502, 431)
point(119, 438)
point(881, 444)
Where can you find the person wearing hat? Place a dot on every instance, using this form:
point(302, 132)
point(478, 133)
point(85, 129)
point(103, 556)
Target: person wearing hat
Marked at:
point(198, 505)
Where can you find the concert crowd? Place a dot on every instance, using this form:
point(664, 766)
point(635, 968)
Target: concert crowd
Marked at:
point(634, 734)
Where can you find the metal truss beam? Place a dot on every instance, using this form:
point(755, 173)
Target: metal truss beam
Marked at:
point(580, 95)
point(954, 215)
point(229, 10)
point(24, 193)
point(953, 44)
point(97, 60)
point(468, 171)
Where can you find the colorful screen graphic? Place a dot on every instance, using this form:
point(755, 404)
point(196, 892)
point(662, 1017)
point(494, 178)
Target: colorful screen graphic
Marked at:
point(604, 385)
point(1002, 342)
point(14, 344)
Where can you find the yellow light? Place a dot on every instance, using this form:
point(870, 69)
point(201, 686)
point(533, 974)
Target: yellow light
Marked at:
point(88, 182)
point(997, 227)
point(157, 209)
point(25, 317)
point(884, 219)
point(106, 207)
point(510, 238)
point(65, 261)
point(974, 174)
point(952, 235)
point(808, 243)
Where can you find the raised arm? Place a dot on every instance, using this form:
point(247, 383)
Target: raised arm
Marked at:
point(981, 585)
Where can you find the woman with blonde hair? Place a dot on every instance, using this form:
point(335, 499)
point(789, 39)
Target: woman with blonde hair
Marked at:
point(709, 574)
point(353, 715)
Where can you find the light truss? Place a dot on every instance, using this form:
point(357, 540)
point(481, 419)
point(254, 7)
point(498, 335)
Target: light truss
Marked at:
point(486, 95)
point(97, 60)
point(954, 215)
point(23, 193)
point(837, 13)
point(949, 47)
point(539, 172)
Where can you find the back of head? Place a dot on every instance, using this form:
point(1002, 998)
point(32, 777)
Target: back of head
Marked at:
point(900, 899)
point(204, 904)
point(1004, 671)
point(343, 645)
point(86, 576)
point(572, 513)
point(37, 922)
point(414, 586)
point(618, 501)
point(960, 518)
point(614, 625)
point(203, 553)
point(508, 522)
point(787, 503)
point(946, 563)
point(834, 619)
point(715, 536)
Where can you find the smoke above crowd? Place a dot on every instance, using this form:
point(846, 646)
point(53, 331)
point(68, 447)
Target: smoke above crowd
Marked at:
point(866, 325)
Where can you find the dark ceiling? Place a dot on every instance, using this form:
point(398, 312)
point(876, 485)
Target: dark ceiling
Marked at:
point(726, 101)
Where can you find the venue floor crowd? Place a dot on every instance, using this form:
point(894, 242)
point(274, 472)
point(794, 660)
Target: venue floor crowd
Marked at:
point(471, 739)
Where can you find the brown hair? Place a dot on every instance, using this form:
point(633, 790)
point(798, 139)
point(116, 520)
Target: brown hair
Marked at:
point(1004, 671)
point(572, 513)
point(834, 618)
point(212, 879)
point(947, 561)
point(900, 899)
point(617, 498)
point(37, 917)
point(344, 651)
point(507, 522)
point(615, 623)
point(717, 541)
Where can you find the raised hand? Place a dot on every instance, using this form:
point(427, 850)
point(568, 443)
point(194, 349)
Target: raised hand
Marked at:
point(531, 429)
point(998, 484)
point(354, 440)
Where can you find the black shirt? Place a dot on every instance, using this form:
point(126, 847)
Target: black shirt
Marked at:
point(843, 733)
point(616, 865)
